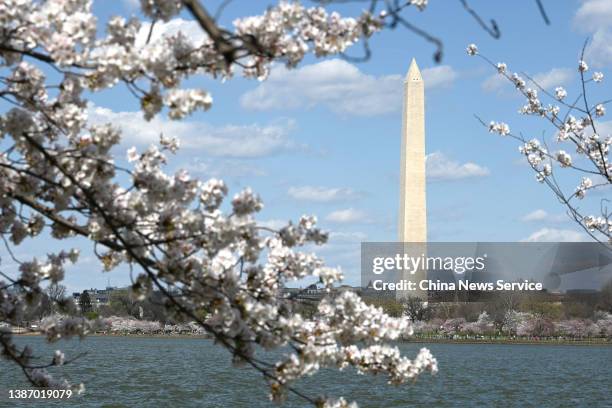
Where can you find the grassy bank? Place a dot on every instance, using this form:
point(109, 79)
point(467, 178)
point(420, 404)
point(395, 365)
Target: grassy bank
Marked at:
point(413, 339)
point(518, 341)
point(150, 335)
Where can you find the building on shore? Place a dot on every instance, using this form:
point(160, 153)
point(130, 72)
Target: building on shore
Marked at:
point(98, 297)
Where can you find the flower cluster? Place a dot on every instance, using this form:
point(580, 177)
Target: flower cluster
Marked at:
point(582, 188)
point(598, 76)
point(499, 127)
point(598, 224)
point(576, 127)
point(353, 322)
point(290, 30)
point(564, 159)
point(560, 93)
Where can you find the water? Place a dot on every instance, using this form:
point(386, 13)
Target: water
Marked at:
point(192, 372)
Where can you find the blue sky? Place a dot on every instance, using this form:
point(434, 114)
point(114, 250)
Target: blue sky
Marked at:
point(324, 139)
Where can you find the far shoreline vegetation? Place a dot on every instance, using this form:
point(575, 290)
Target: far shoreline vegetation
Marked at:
point(417, 339)
point(512, 317)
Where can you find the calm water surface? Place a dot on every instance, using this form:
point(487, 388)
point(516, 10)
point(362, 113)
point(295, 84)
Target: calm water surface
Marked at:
point(190, 372)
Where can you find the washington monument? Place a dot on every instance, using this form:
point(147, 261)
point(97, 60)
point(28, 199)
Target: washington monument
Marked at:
point(413, 210)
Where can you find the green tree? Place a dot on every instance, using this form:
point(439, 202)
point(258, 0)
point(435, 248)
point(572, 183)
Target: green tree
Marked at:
point(416, 309)
point(85, 303)
point(92, 315)
point(605, 297)
point(122, 303)
point(391, 307)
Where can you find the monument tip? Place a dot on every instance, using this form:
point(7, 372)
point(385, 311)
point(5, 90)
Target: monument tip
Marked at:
point(414, 73)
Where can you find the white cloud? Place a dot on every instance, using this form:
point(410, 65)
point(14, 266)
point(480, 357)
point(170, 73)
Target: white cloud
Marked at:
point(604, 127)
point(223, 168)
point(345, 216)
point(595, 17)
point(230, 140)
point(190, 28)
point(274, 224)
point(440, 76)
point(440, 167)
point(131, 4)
point(556, 235)
point(537, 215)
point(599, 51)
point(322, 194)
point(547, 80)
point(553, 78)
point(338, 86)
point(540, 215)
point(347, 237)
point(494, 82)
point(593, 14)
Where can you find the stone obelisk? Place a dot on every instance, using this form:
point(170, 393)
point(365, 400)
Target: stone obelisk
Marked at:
point(413, 210)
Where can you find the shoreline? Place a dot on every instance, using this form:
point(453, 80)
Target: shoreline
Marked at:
point(169, 336)
point(518, 342)
point(592, 342)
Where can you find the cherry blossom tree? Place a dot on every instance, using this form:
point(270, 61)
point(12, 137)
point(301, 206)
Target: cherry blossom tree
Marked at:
point(416, 309)
point(59, 178)
point(483, 325)
point(124, 325)
point(535, 325)
point(577, 124)
point(453, 326)
point(604, 323)
point(577, 328)
point(513, 320)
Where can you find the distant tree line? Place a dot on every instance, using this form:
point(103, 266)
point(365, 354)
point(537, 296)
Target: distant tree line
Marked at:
point(121, 303)
point(509, 314)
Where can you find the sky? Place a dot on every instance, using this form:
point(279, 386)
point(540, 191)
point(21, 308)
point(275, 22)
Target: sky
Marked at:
point(325, 138)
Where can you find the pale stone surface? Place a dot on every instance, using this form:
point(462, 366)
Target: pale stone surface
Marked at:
point(413, 211)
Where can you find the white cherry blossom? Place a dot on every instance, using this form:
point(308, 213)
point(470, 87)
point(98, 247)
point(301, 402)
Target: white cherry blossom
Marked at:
point(598, 76)
point(575, 126)
point(560, 93)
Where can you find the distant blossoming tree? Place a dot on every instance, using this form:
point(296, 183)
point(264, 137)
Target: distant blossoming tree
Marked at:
point(578, 328)
point(513, 320)
point(483, 325)
point(453, 326)
point(577, 125)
